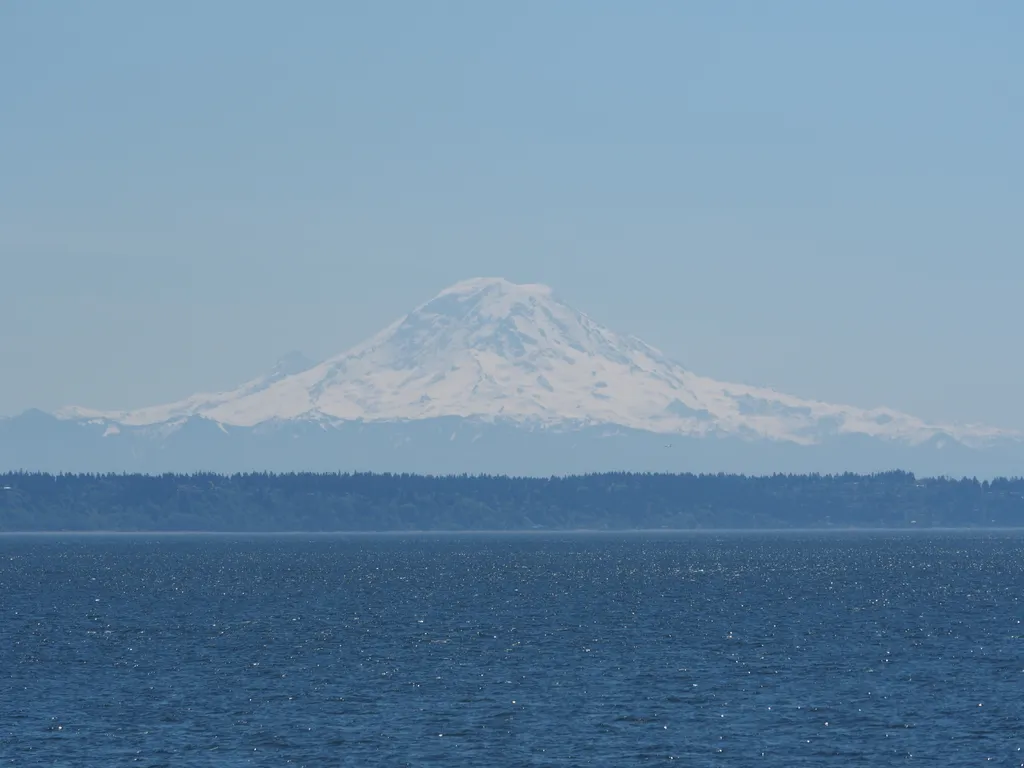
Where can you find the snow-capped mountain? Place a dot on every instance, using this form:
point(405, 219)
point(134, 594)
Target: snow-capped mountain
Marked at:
point(489, 349)
point(490, 376)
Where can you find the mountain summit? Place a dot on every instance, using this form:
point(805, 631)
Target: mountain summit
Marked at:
point(492, 351)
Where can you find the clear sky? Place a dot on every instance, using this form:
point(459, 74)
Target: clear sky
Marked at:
point(825, 197)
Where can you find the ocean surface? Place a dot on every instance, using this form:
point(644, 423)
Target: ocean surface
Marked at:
point(852, 649)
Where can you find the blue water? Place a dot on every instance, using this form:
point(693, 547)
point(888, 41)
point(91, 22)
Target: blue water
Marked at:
point(767, 650)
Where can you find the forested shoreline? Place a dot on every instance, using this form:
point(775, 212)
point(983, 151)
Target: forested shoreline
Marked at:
point(261, 502)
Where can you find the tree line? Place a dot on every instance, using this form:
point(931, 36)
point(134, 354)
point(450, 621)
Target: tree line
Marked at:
point(258, 502)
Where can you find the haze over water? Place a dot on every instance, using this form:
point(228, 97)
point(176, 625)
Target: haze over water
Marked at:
point(739, 649)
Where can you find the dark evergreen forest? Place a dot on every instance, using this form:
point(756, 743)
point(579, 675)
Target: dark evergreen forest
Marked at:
point(387, 502)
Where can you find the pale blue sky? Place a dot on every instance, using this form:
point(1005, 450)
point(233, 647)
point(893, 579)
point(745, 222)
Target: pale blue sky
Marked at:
point(821, 196)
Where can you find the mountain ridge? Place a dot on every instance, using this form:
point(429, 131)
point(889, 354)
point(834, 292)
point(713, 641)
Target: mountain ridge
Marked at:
point(489, 350)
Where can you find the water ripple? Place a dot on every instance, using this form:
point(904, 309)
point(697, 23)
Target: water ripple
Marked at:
point(779, 650)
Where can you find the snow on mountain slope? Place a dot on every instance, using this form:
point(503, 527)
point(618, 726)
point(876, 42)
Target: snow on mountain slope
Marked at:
point(202, 403)
point(490, 349)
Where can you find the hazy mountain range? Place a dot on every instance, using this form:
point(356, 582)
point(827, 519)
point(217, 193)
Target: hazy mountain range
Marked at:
point(490, 376)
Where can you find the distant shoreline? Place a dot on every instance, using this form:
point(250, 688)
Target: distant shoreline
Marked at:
point(541, 532)
point(416, 504)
